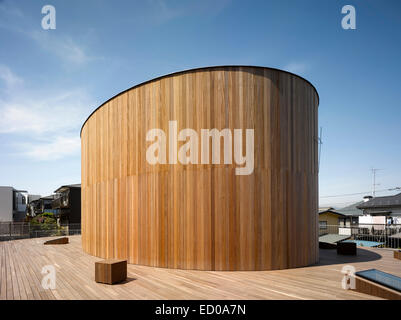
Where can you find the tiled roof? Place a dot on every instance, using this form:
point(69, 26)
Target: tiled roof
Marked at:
point(331, 211)
point(351, 210)
point(382, 202)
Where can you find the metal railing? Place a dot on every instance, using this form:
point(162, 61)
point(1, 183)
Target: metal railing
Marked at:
point(389, 236)
point(25, 230)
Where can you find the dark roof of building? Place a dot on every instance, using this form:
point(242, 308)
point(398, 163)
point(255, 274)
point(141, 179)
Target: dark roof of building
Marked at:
point(77, 185)
point(382, 202)
point(351, 210)
point(51, 197)
point(331, 211)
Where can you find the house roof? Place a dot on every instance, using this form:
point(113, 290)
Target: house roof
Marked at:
point(51, 197)
point(16, 190)
point(77, 185)
point(382, 202)
point(332, 211)
point(351, 210)
point(332, 238)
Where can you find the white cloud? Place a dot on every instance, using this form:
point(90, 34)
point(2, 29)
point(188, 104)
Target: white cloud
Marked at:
point(69, 51)
point(42, 125)
point(62, 46)
point(10, 10)
point(162, 11)
point(296, 67)
point(52, 149)
point(9, 78)
point(29, 114)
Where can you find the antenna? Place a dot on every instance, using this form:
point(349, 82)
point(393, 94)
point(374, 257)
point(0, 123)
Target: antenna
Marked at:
point(374, 181)
point(320, 142)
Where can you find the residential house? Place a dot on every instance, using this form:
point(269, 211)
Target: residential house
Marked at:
point(350, 214)
point(329, 226)
point(329, 217)
point(33, 197)
point(41, 205)
point(12, 204)
point(68, 203)
point(341, 221)
point(381, 210)
point(32, 208)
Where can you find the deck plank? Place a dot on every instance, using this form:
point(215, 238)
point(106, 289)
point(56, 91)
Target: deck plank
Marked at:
point(21, 262)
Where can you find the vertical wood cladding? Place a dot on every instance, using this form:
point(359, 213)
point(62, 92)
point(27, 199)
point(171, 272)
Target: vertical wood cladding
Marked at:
point(204, 216)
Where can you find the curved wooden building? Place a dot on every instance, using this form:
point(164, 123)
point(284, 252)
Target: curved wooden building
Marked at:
point(198, 215)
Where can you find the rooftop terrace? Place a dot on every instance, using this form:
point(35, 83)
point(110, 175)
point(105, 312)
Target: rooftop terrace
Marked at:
point(21, 262)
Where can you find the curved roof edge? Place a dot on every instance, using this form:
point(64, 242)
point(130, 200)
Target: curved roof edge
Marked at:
point(196, 69)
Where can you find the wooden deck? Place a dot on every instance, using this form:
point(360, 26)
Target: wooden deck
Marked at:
point(21, 262)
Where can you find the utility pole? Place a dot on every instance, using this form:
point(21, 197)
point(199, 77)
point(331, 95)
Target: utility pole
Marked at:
point(374, 181)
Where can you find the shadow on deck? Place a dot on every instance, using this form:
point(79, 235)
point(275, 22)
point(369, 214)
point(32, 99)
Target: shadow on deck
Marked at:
point(330, 257)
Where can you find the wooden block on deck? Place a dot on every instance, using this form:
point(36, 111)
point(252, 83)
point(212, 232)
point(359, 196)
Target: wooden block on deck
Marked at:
point(397, 254)
point(375, 289)
point(63, 240)
point(346, 248)
point(110, 271)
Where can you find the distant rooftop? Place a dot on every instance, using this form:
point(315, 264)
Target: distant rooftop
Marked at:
point(51, 197)
point(329, 210)
point(77, 185)
point(351, 210)
point(23, 191)
point(16, 190)
point(382, 202)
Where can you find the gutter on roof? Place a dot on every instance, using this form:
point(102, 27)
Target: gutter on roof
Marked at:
point(381, 206)
point(381, 212)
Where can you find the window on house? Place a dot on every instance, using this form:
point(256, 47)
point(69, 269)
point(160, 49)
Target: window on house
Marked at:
point(322, 224)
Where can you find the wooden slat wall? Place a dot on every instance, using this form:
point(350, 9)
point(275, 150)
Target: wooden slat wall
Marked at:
point(204, 216)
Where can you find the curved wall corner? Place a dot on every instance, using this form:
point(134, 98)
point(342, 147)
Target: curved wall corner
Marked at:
point(205, 216)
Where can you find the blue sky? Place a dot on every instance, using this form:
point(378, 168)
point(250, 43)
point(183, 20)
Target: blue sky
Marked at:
point(50, 80)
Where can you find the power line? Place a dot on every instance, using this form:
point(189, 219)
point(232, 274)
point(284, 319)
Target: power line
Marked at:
point(359, 193)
